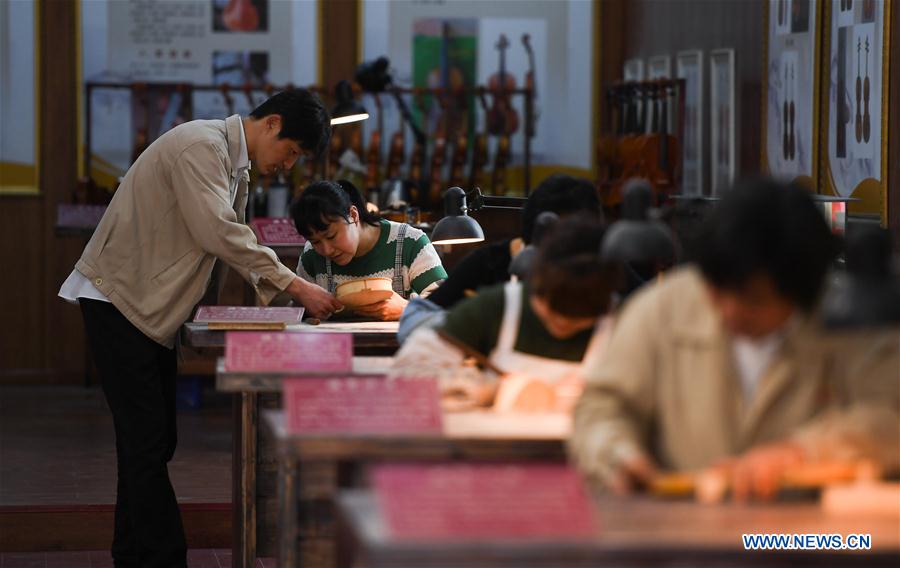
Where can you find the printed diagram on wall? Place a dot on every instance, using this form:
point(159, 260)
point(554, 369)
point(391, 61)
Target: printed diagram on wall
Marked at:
point(722, 111)
point(790, 101)
point(855, 96)
point(633, 70)
point(689, 66)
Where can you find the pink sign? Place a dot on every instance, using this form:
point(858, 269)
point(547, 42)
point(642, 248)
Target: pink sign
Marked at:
point(484, 501)
point(72, 216)
point(307, 352)
point(362, 406)
point(247, 314)
point(276, 231)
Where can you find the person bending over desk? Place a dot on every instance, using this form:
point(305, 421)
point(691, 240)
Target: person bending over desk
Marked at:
point(347, 242)
point(723, 364)
point(175, 219)
point(541, 328)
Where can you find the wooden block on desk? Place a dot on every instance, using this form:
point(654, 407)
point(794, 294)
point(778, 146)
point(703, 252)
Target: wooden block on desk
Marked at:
point(864, 497)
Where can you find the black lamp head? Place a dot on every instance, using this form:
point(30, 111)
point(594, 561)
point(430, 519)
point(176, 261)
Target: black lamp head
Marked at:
point(373, 76)
point(347, 108)
point(635, 239)
point(456, 227)
point(867, 294)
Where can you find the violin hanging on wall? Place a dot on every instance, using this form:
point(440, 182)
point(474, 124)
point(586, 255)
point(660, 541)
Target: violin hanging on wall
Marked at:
point(867, 118)
point(859, 121)
point(502, 118)
point(480, 148)
point(786, 117)
point(792, 140)
point(373, 152)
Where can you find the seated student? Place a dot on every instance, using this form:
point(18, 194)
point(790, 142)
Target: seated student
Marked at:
point(723, 364)
point(489, 264)
point(539, 328)
point(347, 242)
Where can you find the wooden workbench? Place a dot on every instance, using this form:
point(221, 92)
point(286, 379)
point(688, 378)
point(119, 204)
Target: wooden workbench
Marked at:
point(637, 531)
point(373, 338)
point(253, 495)
point(311, 469)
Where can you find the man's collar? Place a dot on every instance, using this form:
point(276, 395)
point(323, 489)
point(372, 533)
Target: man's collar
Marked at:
point(237, 143)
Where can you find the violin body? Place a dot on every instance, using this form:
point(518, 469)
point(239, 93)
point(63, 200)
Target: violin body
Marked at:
point(502, 119)
point(501, 159)
point(373, 160)
point(867, 118)
point(395, 154)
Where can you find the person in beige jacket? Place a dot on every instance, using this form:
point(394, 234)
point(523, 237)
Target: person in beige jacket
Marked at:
point(179, 208)
point(723, 364)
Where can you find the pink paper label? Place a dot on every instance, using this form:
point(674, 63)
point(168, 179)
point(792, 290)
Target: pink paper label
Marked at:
point(362, 406)
point(484, 501)
point(248, 314)
point(277, 352)
point(276, 231)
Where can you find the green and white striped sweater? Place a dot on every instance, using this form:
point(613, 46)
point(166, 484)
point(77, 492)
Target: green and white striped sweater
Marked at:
point(421, 268)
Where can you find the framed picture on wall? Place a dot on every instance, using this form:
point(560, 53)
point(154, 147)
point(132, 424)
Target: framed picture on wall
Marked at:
point(722, 123)
point(633, 70)
point(689, 66)
point(659, 67)
point(791, 90)
point(854, 114)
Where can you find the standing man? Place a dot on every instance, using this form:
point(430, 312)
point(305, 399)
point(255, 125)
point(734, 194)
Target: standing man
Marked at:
point(179, 208)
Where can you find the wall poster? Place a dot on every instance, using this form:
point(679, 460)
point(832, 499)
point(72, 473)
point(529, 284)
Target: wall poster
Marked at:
point(722, 122)
point(856, 115)
point(689, 66)
point(790, 149)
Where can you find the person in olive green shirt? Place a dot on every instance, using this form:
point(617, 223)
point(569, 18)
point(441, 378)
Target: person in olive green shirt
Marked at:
point(540, 328)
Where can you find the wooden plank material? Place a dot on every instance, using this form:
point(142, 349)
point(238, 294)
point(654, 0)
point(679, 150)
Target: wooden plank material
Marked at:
point(636, 531)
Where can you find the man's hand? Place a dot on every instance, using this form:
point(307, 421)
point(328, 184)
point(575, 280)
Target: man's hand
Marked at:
point(758, 472)
point(317, 301)
point(633, 473)
point(387, 310)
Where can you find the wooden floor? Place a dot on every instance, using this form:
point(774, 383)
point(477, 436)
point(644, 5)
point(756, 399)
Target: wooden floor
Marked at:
point(58, 476)
point(97, 559)
point(57, 447)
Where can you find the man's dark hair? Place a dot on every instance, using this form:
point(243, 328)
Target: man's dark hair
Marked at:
point(325, 202)
point(764, 227)
point(304, 118)
point(568, 273)
point(562, 194)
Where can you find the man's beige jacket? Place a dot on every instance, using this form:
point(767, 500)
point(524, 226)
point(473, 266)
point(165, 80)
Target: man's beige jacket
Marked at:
point(153, 252)
point(667, 387)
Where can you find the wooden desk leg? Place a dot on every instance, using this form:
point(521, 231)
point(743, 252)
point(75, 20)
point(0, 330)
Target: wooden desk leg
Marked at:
point(243, 479)
point(287, 513)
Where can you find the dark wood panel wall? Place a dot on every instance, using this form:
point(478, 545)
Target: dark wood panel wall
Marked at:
point(664, 27)
point(42, 338)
